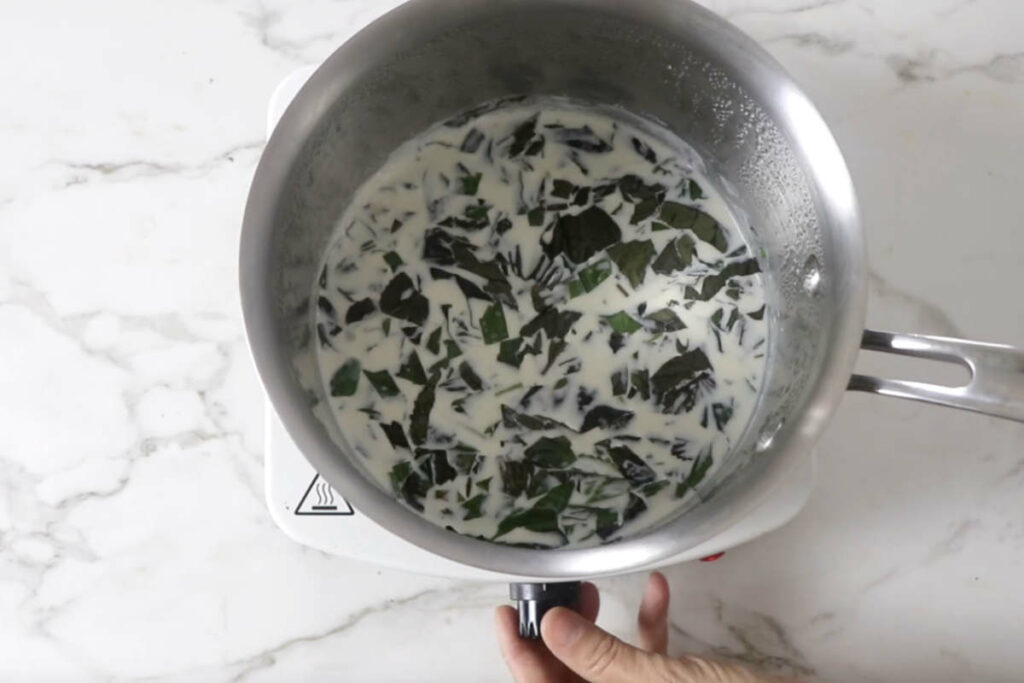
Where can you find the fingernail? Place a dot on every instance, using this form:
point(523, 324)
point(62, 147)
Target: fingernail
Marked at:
point(565, 628)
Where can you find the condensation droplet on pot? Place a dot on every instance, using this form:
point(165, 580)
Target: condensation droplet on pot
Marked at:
point(764, 442)
point(812, 274)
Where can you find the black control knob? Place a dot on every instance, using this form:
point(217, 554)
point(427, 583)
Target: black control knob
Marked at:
point(534, 599)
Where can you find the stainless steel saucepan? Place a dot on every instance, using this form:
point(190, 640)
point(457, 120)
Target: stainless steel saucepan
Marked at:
point(760, 137)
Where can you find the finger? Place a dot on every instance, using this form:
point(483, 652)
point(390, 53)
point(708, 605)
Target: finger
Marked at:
point(590, 601)
point(593, 654)
point(700, 669)
point(527, 660)
point(652, 619)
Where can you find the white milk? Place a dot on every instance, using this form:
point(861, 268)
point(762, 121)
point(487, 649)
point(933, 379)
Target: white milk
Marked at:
point(464, 465)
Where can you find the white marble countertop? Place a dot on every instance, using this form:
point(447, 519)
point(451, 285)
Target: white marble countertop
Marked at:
point(134, 540)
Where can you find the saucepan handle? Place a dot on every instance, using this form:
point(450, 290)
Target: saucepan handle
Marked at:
point(996, 386)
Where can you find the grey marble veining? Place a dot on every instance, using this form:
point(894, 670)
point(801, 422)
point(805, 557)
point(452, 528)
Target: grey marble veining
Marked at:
point(134, 542)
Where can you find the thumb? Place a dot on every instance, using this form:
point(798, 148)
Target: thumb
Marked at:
point(596, 655)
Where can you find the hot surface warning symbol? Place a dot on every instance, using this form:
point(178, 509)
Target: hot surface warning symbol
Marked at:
point(320, 498)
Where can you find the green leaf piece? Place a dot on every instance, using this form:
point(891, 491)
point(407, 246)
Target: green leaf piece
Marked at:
point(345, 379)
point(382, 382)
point(474, 507)
point(493, 325)
point(434, 342)
point(581, 236)
point(419, 423)
point(701, 464)
point(605, 417)
point(665, 320)
point(632, 259)
point(621, 322)
point(677, 255)
point(469, 184)
point(393, 260)
point(533, 520)
point(551, 452)
point(401, 299)
point(470, 377)
point(678, 381)
point(412, 370)
point(631, 465)
point(594, 274)
point(508, 352)
point(695, 190)
point(706, 228)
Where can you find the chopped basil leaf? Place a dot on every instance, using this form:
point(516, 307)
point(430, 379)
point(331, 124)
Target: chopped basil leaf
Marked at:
point(473, 507)
point(395, 434)
point(620, 382)
point(701, 465)
point(556, 324)
point(469, 184)
point(705, 227)
point(522, 136)
point(492, 324)
point(712, 284)
point(632, 258)
point(665, 320)
point(645, 209)
point(434, 462)
point(722, 413)
point(514, 419)
point(634, 508)
point(562, 189)
point(533, 519)
point(535, 216)
point(412, 370)
point(676, 256)
point(393, 260)
point(676, 383)
point(616, 341)
point(470, 377)
point(471, 143)
point(584, 139)
point(634, 189)
point(420, 418)
point(516, 477)
point(382, 382)
point(555, 347)
point(645, 151)
point(607, 522)
point(508, 352)
point(631, 465)
point(551, 452)
point(414, 490)
point(359, 310)
point(594, 274)
point(622, 323)
point(400, 299)
point(434, 342)
point(605, 417)
point(345, 380)
point(581, 236)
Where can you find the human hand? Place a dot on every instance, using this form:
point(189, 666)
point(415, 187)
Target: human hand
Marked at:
point(575, 650)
